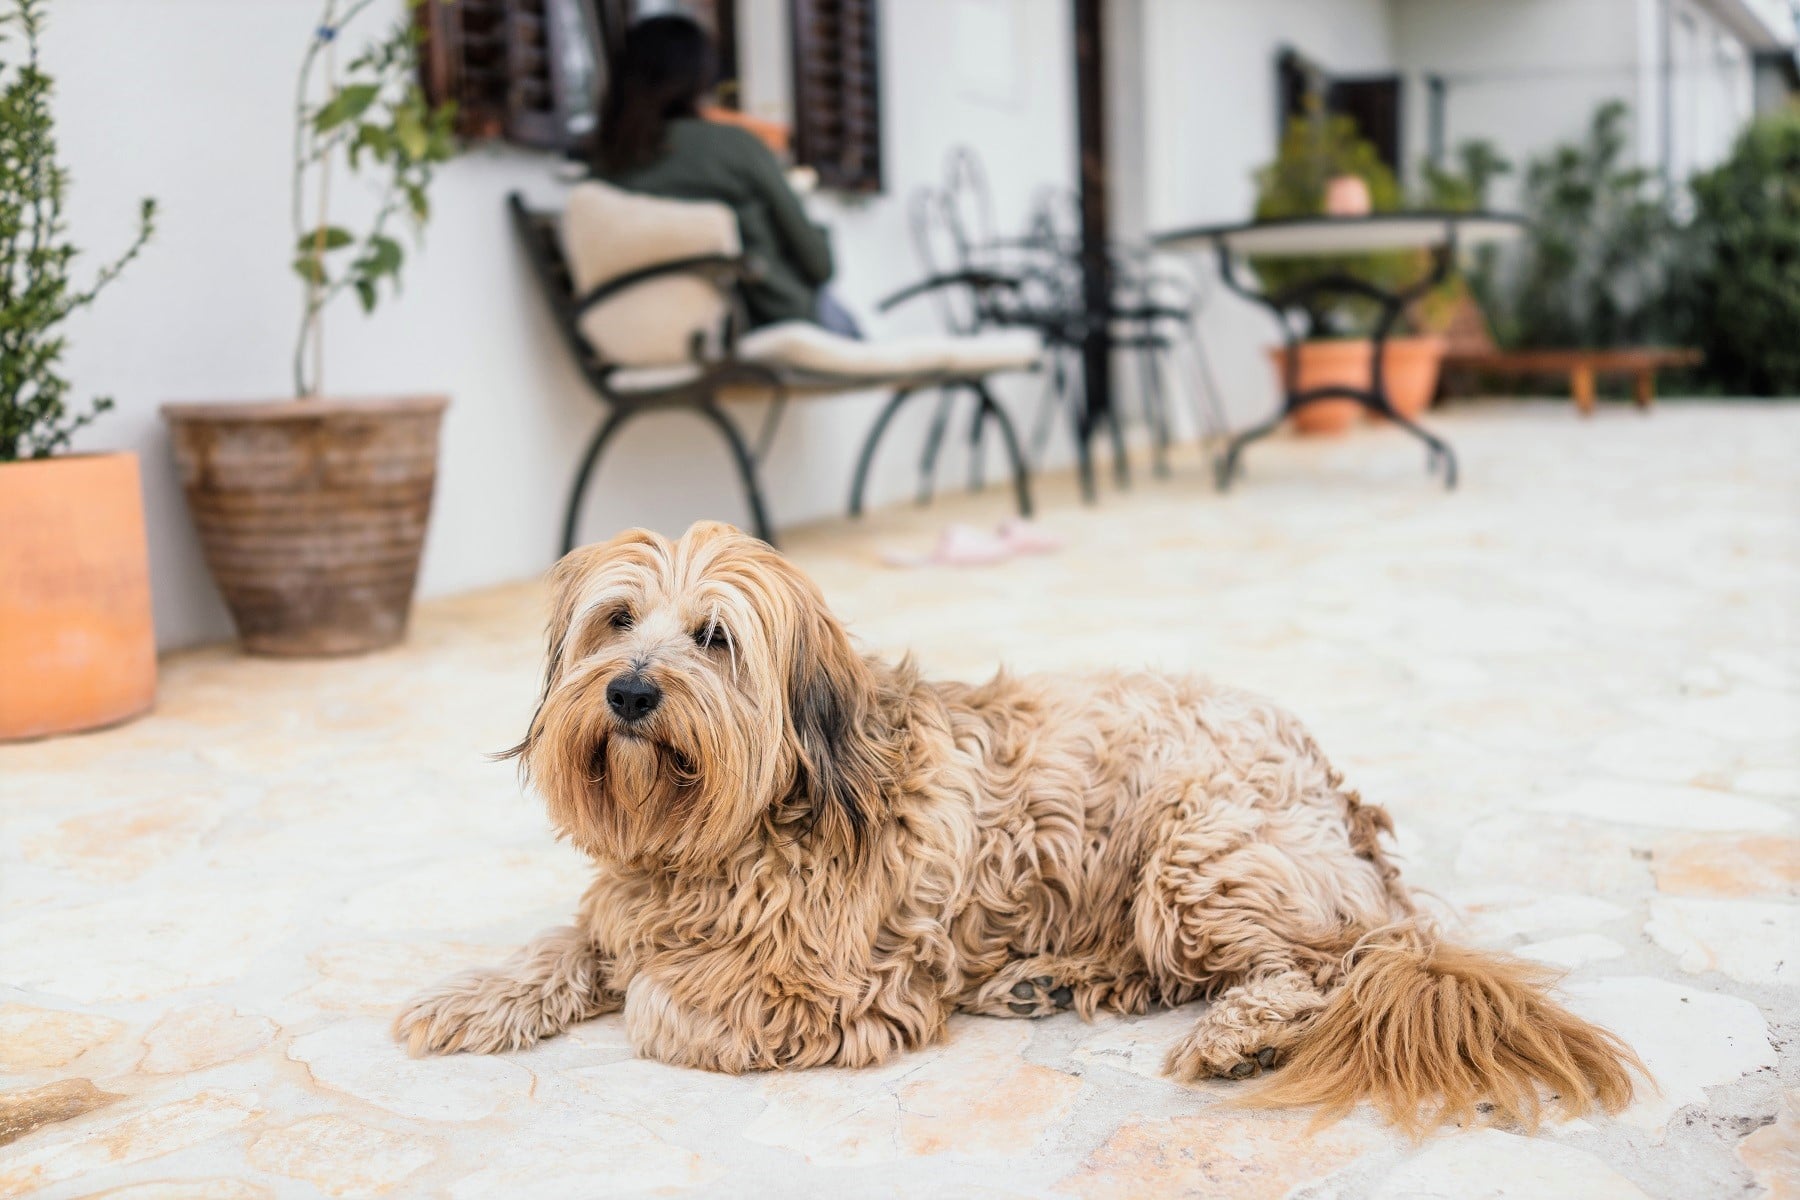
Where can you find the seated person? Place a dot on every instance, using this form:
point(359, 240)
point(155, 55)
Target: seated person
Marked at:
point(652, 140)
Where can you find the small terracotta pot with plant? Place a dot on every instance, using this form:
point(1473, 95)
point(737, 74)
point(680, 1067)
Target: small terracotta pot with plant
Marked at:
point(1317, 171)
point(77, 644)
point(312, 511)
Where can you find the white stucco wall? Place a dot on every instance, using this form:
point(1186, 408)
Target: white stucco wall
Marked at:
point(1712, 87)
point(1527, 74)
point(190, 101)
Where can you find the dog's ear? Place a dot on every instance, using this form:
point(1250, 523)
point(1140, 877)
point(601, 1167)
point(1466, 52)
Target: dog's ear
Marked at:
point(843, 745)
point(567, 578)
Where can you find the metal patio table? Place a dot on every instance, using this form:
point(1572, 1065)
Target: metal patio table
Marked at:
point(1442, 233)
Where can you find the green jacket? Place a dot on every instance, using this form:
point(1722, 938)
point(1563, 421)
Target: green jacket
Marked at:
point(708, 161)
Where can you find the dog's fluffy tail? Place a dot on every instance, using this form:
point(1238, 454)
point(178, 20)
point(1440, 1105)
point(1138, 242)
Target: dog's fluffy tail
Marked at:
point(1427, 1031)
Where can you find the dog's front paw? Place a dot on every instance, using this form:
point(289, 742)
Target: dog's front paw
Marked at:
point(1039, 996)
point(1036, 987)
point(479, 1012)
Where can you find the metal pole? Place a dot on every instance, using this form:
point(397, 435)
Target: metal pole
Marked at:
point(1090, 125)
point(1434, 91)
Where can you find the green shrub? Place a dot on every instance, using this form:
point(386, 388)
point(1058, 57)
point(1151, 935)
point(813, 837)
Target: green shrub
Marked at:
point(1594, 269)
point(1462, 187)
point(37, 291)
point(1740, 289)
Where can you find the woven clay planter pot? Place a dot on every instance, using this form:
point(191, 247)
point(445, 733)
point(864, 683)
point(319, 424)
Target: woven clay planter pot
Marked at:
point(77, 644)
point(1409, 369)
point(312, 514)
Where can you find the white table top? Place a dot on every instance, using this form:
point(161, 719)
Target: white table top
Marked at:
point(1299, 237)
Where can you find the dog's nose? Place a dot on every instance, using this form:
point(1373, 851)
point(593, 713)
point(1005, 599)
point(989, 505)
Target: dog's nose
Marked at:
point(632, 697)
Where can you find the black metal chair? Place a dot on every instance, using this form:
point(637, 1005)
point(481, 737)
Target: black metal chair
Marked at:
point(732, 363)
point(985, 282)
point(1152, 315)
point(1034, 282)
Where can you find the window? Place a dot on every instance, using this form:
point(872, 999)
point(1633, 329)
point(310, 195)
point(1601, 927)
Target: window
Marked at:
point(531, 71)
point(721, 17)
point(464, 59)
point(1373, 102)
point(523, 70)
point(837, 92)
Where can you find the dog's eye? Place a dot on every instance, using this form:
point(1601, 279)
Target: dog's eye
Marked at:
point(620, 620)
point(712, 637)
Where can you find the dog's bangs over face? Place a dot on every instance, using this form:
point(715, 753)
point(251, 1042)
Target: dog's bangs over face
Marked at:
point(666, 730)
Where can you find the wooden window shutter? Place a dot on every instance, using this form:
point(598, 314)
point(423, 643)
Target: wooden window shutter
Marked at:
point(523, 70)
point(532, 117)
point(464, 59)
point(837, 92)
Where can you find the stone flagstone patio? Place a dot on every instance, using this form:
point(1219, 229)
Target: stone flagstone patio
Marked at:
point(1575, 682)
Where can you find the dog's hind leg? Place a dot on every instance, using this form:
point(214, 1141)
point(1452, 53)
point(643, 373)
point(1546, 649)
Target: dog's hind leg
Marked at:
point(1228, 930)
point(1248, 1029)
point(1252, 894)
point(555, 981)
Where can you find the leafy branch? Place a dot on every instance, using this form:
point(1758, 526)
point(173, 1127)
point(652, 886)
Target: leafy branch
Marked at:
point(376, 116)
point(37, 293)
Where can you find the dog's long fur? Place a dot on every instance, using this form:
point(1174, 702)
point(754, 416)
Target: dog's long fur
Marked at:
point(810, 857)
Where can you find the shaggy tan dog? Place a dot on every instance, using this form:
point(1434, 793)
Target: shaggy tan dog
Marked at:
point(807, 857)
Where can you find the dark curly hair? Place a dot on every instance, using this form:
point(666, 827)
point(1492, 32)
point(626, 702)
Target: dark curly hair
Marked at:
point(663, 67)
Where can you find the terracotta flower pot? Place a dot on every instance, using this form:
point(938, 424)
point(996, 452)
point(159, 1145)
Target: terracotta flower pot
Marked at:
point(1409, 370)
point(1343, 362)
point(77, 643)
point(1347, 196)
point(312, 514)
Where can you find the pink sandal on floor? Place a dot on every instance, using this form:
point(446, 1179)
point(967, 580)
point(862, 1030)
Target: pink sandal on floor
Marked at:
point(958, 546)
point(1027, 537)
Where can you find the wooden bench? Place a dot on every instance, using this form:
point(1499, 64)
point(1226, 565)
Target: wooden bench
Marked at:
point(1470, 348)
point(1581, 366)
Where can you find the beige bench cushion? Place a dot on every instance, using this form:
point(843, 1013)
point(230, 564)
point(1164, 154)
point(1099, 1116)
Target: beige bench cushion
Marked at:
point(1001, 350)
point(608, 233)
point(803, 346)
point(815, 359)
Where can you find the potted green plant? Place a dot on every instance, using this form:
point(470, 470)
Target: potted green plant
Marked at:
point(1319, 155)
point(312, 510)
point(77, 644)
